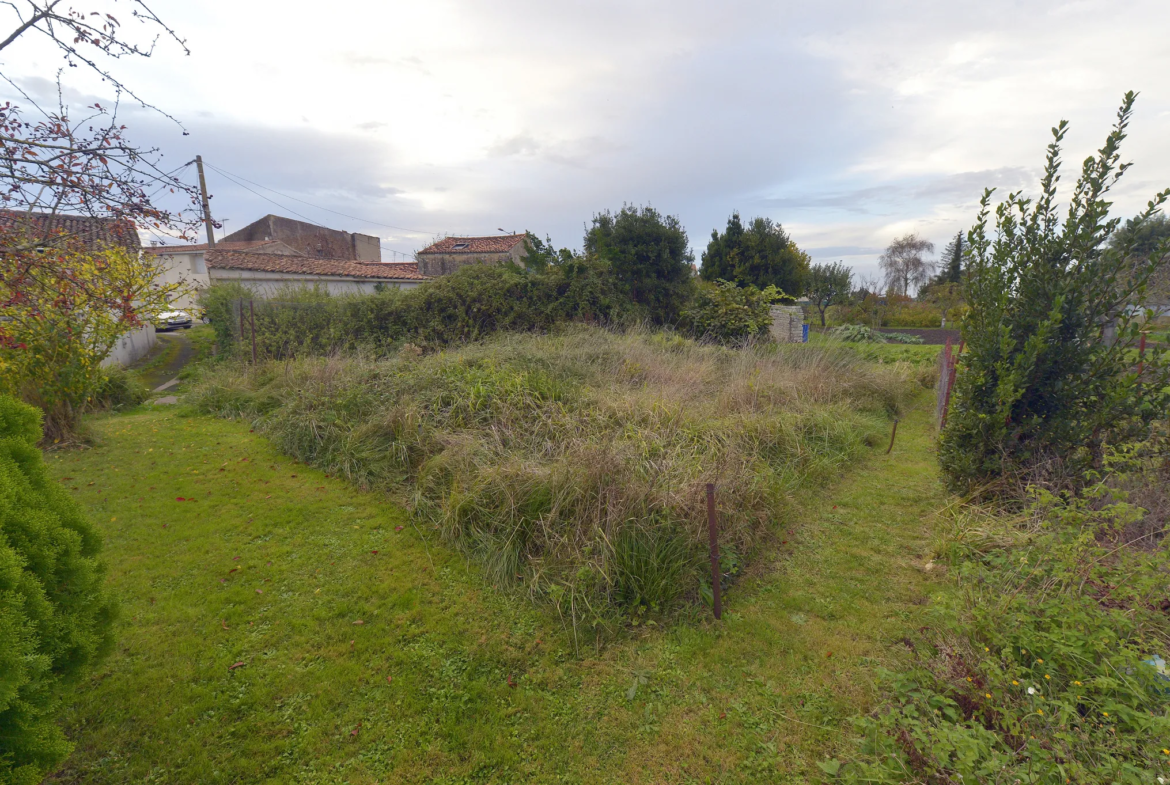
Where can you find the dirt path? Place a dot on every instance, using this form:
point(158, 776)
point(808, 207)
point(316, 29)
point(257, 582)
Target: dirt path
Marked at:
point(172, 353)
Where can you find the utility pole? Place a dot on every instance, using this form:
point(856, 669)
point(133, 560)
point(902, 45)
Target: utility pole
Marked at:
point(206, 207)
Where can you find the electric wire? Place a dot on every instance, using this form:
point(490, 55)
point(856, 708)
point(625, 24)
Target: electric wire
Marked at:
point(232, 179)
point(317, 206)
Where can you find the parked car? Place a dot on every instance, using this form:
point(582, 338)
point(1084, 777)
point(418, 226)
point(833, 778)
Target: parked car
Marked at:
point(172, 320)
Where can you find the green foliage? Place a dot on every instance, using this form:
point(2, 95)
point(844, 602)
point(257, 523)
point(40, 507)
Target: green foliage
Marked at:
point(951, 267)
point(55, 618)
point(727, 313)
point(119, 390)
point(537, 455)
point(828, 284)
point(859, 333)
point(762, 255)
point(1051, 670)
point(1043, 381)
point(472, 303)
point(650, 258)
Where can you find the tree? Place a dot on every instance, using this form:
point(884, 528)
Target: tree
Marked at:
point(828, 284)
point(649, 255)
point(904, 264)
point(952, 261)
point(727, 313)
point(1143, 241)
point(56, 619)
point(1049, 375)
point(762, 255)
point(63, 316)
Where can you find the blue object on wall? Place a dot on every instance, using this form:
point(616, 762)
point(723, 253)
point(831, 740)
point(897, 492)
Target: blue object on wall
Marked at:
point(804, 334)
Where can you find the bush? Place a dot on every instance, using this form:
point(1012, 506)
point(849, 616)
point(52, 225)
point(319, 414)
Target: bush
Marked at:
point(118, 390)
point(470, 304)
point(1050, 372)
point(55, 617)
point(572, 464)
point(727, 313)
point(1051, 668)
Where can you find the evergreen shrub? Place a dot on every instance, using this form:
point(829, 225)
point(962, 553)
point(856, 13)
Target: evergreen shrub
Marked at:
point(56, 620)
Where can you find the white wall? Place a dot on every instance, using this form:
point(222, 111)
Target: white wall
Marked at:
point(268, 285)
point(187, 268)
point(131, 347)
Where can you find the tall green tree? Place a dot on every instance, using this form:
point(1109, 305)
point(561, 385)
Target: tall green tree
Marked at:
point(761, 255)
point(951, 266)
point(56, 619)
point(650, 257)
point(828, 284)
point(1049, 376)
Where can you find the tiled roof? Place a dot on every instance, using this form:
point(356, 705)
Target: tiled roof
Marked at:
point(498, 244)
point(255, 246)
point(307, 265)
point(92, 231)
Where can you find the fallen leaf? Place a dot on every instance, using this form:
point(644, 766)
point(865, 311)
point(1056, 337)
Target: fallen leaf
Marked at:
point(259, 591)
point(353, 733)
point(397, 528)
point(828, 654)
point(511, 683)
point(358, 623)
point(235, 558)
point(223, 624)
point(723, 715)
point(389, 679)
point(237, 665)
point(233, 569)
point(374, 552)
point(180, 499)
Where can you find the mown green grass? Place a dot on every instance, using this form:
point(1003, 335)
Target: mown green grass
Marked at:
point(274, 562)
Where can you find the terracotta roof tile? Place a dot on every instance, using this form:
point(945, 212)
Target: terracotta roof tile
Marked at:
point(92, 231)
point(496, 244)
point(308, 265)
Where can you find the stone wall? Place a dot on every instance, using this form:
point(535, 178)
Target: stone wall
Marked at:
point(787, 324)
point(435, 264)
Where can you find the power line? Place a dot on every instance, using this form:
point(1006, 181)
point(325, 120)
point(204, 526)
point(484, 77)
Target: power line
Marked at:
point(317, 206)
point(232, 178)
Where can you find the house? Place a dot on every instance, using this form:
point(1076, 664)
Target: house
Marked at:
point(94, 234)
point(268, 266)
point(309, 239)
point(449, 254)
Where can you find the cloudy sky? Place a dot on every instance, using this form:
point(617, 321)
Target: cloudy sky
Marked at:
point(848, 122)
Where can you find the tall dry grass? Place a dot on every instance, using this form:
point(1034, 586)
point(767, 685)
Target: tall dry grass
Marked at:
point(573, 464)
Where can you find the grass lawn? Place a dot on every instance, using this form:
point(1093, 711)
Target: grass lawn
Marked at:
point(279, 626)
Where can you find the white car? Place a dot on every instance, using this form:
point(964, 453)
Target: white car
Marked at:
point(172, 320)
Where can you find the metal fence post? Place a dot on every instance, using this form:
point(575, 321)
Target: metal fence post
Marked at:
point(252, 319)
point(713, 535)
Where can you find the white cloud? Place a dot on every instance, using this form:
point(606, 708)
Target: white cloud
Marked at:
point(846, 121)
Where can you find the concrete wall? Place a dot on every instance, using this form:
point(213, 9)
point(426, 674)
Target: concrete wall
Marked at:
point(447, 263)
point(269, 286)
point(366, 248)
point(787, 324)
point(131, 347)
point(187, 268)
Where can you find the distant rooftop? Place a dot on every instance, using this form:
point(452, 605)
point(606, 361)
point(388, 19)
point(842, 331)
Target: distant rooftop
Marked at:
point(92, 232)
point(501, 243)
point(308, 265)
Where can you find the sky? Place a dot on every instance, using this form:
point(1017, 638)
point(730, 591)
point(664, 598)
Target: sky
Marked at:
point(849, 123)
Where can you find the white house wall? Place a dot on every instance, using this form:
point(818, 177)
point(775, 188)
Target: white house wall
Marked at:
point(268, 285)
point(131, 347)
point(188, 269)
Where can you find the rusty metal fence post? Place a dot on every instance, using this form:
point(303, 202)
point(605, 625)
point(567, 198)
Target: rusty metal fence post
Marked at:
point(713, 535)
point(252, 319)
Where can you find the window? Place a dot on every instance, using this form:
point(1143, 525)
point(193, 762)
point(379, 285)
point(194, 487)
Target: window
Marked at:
point(461, 246)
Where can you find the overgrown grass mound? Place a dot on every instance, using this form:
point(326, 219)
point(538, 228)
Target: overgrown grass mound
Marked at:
point(573, 464)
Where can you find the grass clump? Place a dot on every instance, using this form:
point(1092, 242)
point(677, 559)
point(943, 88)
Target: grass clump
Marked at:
point(572, 464)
